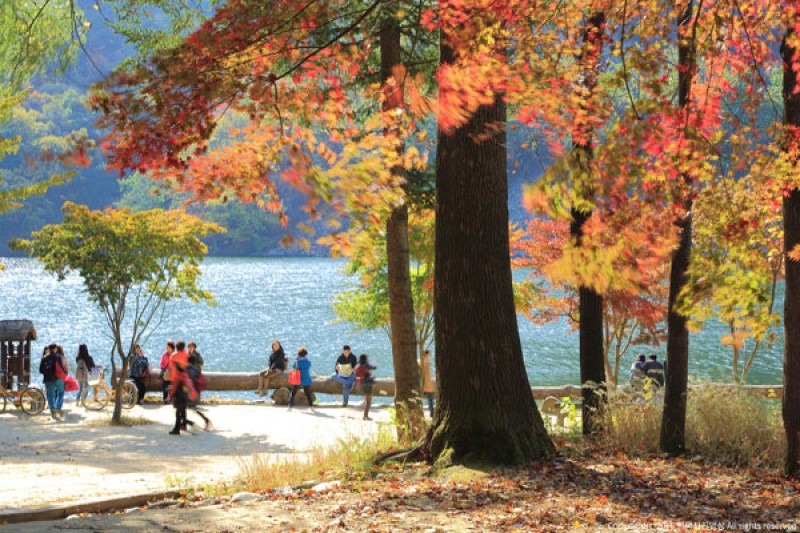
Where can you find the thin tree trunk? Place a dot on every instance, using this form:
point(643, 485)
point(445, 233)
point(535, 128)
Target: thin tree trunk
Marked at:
point(590, 306)
point(408, 407)
point(673, 421)
point(791, 239)
point(116, 383)
point(486, 411)
point(592, 355)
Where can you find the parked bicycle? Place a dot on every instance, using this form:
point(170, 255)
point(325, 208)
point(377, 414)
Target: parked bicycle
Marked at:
point(29, 399)
point(99, 394)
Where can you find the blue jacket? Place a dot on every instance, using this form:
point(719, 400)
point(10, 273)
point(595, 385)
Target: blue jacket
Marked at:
point(304, 366)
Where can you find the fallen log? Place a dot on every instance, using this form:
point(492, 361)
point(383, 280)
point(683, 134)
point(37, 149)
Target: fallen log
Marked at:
point(248, 381)
point(244, 381)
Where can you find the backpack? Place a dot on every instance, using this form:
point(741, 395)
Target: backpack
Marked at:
point(48, 368)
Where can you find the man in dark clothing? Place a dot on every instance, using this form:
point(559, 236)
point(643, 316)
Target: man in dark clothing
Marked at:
point(637, 372)
point(345, 367)
point(654, 370)
point(140, 372)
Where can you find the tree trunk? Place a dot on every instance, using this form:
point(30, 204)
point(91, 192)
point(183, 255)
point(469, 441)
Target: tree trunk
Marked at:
point(408, 407)
point(486, 412)
point(592, 354)
point(592, 359)
point(590, 303)
point(673, 422)
point(116, 384)
point(791, 239)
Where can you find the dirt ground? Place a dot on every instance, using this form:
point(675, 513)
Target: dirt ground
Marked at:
point(46, 462)
point(582, 490)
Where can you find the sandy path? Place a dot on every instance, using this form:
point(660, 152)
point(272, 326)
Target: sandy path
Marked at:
point(44, 462)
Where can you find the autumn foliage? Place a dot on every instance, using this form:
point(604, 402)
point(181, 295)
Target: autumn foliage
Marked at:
point(681, 121)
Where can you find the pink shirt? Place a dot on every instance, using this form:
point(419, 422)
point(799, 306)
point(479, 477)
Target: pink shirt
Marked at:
point(165, 360)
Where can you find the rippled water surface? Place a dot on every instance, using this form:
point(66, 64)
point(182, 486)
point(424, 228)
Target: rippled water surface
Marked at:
point(290, 299)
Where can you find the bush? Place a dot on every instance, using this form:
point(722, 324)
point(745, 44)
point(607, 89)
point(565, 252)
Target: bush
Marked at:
point(633, 421)
point(729, 426)
point(724, 425)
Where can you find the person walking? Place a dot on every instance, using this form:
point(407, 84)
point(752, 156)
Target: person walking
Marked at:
point(365, 380)
point(428, 383)
point(83, 365)
point(275, 367)
point(304, 366)
point(195, 373)
point(62, 370)
point(164, 365)
point(140, 373)
point(344, 372)
point(181, 387)
point(50, 367)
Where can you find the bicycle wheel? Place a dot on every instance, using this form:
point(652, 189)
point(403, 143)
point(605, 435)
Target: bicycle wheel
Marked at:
point(32, 401)
point(130, 395)
point(96, 398)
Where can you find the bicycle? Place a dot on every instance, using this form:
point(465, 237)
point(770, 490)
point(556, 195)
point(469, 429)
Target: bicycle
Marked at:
point(29, 399)
point(99, 394)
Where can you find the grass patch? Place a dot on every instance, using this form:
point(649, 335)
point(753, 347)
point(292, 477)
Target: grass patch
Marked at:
point(216, 400)
point(349, 459)
point(465, 473)
point(126, 420)
point(152, 399)
point(734, 428)
point(724, 425)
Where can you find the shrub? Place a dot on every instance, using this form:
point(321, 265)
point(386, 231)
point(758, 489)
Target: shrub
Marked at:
point(729, 426)
point(724, 425)
point(633, 421)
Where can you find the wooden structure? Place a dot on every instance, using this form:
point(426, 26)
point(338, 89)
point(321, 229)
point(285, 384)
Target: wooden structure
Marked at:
point(15, 351)
point(248, 381)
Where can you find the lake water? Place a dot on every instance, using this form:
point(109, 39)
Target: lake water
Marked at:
point(260, 299)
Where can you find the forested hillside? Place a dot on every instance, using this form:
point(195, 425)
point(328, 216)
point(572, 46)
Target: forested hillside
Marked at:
point(55, 112)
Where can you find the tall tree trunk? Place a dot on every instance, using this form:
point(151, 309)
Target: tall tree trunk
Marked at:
point(592, 354)
point(486, 411)
point(791, 239)
point(673, 422)
point(408, 407)
point(590, 306)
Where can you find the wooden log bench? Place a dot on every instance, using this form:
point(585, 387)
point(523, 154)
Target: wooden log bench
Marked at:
point(248, 381)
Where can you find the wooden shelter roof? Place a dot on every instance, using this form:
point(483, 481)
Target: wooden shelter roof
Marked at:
point(17, 330)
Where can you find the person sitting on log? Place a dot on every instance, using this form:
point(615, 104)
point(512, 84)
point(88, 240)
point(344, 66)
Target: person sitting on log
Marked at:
point(275, 367)
point(344, 372)
point(139, 372)
point(654, 370)
point(195, 359)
